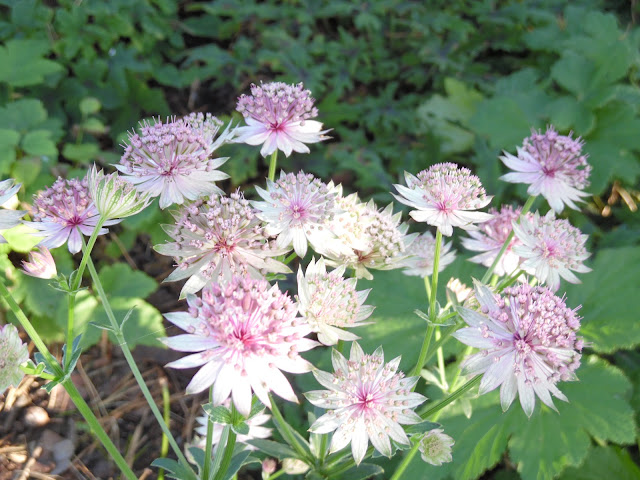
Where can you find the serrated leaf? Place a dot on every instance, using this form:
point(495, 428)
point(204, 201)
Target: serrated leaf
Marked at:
point(604, 462)
point(22, 115)
point(23, 63)
point(219, 414)
point(609, 299)
point(39, 143)
point(240, 428)
point(89, 106)
point(502, 121)
point(82, 153)
point(274, 449)
point(120, 280)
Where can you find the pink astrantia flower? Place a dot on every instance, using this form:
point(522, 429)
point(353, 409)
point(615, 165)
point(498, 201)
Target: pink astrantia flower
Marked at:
point(528, 343)
point(277, 117)
point(435, 447)
point(365, 237)
point(421, 254)
point(445, 196)
point(296, 209)
point(173, 159)
point(329, 302)
point(490, 237)
point(13, 353)
point(553, 165)
point(244, 332)
point(367, 400)
point(41, 264)
point(218, 238)
point(64, 212)
point(8, 218)
point(551, 248)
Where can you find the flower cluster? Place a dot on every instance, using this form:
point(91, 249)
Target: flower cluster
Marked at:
point(445, 196)
point(64, 212)
point(528, 343)
point(421, 254)
point(218, 238)
point(13, 353)
point(296, 209)
point(244, 332)
point(277, 117)
point(173, 159)
point(329, 302)
point(553, 165)
point(367, 400)
point(8, 218)
point(551, 248)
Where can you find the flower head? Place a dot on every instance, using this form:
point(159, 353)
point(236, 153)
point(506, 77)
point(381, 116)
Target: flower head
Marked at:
point(490, 237)
point(173, 159)
point(218, 238)
point(244, 332)
point(8, 218)
point(296, 209)
point(445, 196)
point(435, 447)
point(277, 117)
point(551, 248)
point(365, 237)
point(113, 196)
point(553, 165)
point(457, 292)
point(64, 212)
point(41, 264)
point(421, 254)
point(329, 302)
point(528, 343)
point(13, 353)
point(367, 400)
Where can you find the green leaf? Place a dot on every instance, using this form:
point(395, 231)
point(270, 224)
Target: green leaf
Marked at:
point(83, 153)
point(604, 462)
point(502, 121)
point(89, 106)
point(22, 62)
point(273, 449)
point(22, 115)
point(610, 300)
point(361, 472)
point(237, 461)
point(9, 140)
point(39, 143)
point(219, 414)
point(174, 469)
point(240, 428)
point(120, 280)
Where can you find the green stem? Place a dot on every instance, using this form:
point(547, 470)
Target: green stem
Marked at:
point(505, 245)
point(406, 461)
point(166, 411)
point(117, 331)
point(286, 432)
point(425, 414)
point(208, 450)
point(350, 463)
point(289, 258)
point(227, 455)
point(340, 346)
point(276, 475)
point(443, 378)
point(272, 165)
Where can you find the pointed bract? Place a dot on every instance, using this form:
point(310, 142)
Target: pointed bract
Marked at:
point(13, 353)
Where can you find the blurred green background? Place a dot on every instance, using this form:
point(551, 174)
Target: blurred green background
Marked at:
point(402, 85)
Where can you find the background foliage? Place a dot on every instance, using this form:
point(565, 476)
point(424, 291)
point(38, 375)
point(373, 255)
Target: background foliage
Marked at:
point(403, 85)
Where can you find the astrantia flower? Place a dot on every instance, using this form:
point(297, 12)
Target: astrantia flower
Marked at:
point(553, 165)
point(296, 209)
point(445, 196)
point(435, 447)
point(457, 292)
point(173, 160)
point(367, 400)
point(490, 237)
point(64, 212)
point(41, 264)
point(13, 353)
point(8, 218)
point(551, 248)
point(277, 117)
point(421, 254)
point(329, 302)
point(365, 237)
point(113, 196)
point(218, 238)
point(244, 332)
point(528, 343)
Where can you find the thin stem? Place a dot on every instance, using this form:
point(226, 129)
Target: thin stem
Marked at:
point(505, 245)
point(166, 411)
point(208, 450)
point(276, 475)
point(425, 414)
point(272, 165)
point(117, 331)
point(350, 463)
point(406, 461)
point(340, 346)
point(286, 431)
point(227, 455)
point(71, 308)
point(290, 258)
point(443, 378)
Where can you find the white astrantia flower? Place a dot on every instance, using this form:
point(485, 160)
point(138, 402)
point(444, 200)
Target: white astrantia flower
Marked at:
point(113, 196)
point(330, 302)
point(277, 117)
point(435, 447)
point(527, 341)
point(13, 353)
point(9, 218)
point(551, 248)
point(445, 196)
point(41, 264)
point(296, 209)
point(367, 400)
point(243, 333)
point(421, 255)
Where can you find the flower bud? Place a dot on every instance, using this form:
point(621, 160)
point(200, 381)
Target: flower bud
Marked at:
point(115, 197)
point(40, 264)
